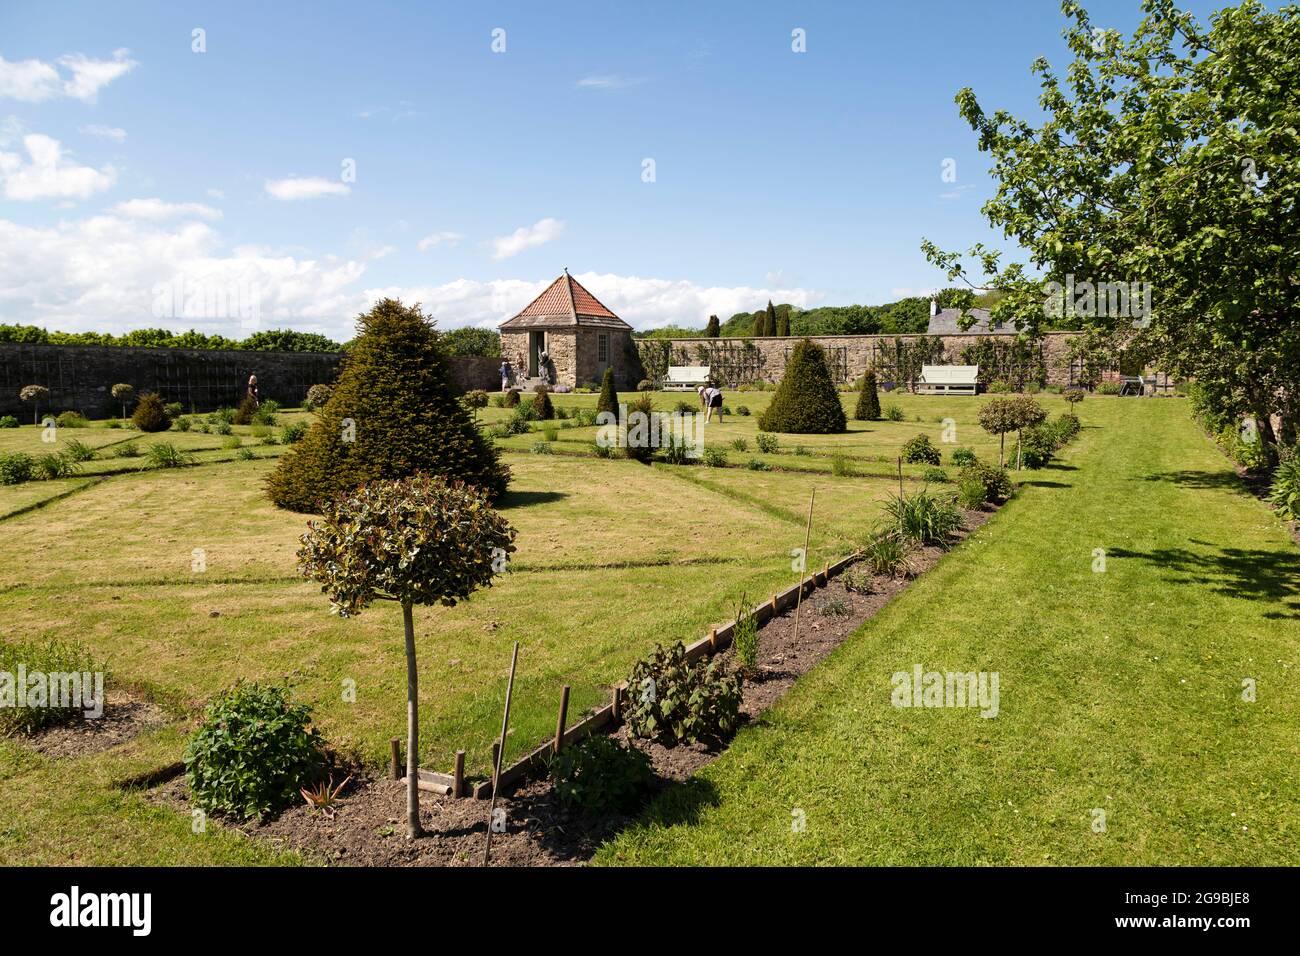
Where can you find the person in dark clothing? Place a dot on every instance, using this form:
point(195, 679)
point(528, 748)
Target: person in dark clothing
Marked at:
point(252, 390)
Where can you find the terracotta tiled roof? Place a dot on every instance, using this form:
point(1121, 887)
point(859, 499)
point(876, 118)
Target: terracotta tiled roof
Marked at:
point(565, 303)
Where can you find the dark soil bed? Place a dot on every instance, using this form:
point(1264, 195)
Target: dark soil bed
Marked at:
point(368, 827)
point(125, 716)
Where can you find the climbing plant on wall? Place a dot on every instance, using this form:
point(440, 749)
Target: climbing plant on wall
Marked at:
point(1013, 360)
point(900, 361)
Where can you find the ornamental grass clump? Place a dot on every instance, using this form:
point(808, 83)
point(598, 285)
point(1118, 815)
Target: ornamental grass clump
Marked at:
point(418, 540)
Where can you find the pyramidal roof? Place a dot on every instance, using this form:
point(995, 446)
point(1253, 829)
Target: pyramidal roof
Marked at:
point(565, 303)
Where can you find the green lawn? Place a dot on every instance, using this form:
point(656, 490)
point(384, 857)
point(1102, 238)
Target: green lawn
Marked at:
point(1119, 691)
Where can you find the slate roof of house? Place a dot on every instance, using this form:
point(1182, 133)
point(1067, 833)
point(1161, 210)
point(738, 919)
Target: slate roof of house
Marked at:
point(564, 303)
point(945, 322)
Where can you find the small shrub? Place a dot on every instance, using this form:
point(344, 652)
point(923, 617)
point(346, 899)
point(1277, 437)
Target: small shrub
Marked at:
point(202, 427)
point(46, 657)
point(970, 494)
point(636, 450)
point(542, 448)
point(800, 451)
point(601, 451)
point(266, 412)
point(184, 423)
point(868, 408)
point(894, 413)
point(498, 401)
point(150, 414)
point(919, 450)
point(259, 431)
point(164, 454)
point(226, 415)
point(607, 400)
point(887, 553)
point(645, 385)
point(253, 752)
point(8, 421)
point(961, 457)
point(676, 451)
point(1037, 443)
point(833, 607)
point(15, 468)
point(246, 410)
point(999, 387)
point(174, 409)
point(755, 464)
point(743, 411)
point(843, 467)
point(52, 467)
point(739, 444)
point(599, 776)
point(292, 433)
point(671, 701)
point(714, 458)
point(1066, 428)
point(551, 433)
point(499, 431)
point(768, 444)
point(935, 474)
point(475, 399)
point(317, 396)
point(744, 638)
point(995, 481)
point(270, 440)
point(225, 428)
point(1284, 492)
point(685, 408)
point(127, 450)
point(72, 420)
point(1108, 388)
point(246, 454)
point(857, 578)
point(512, 398)
point(542, 405)
point(923, 518)
point(231, 441)
point(78, 450)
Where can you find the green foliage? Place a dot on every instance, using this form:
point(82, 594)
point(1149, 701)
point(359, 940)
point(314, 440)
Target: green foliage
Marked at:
point(743, 411)
point(712, 328)
point(266, 412)
point(994, 480)
point(887, 552)
point(542, 405)
point(8, 421)
point(184, 423)
point(868, 409)
point(919, 450)
point(843, 466)
point(318, 395)
point(1284, 492)
point(1108, 388)
point(472, 341)
point(642, 409)
point(922, 517)
point(127, 450)
point(271, 340)
point(252, 752)
point(166, 455)
point(246, 410)
point(645, 385)
point(671, 701)
point(417, 540)
point(714, 457)
point(231, 441)
point(174, 409)
point(744, 638)
point(293, 433)
point(608, 399)
point(48, 657)
point(806, 401)
point(78, 450)
point(740, 444)
point(971, 494)
point(551, 433)
point(1037, 443)
point(150, 414)
point(542, 448)
point(858, 579)
point(768, 444)
point(72, 420)
point(756, 464)
point(15, 468)
point(401, 418)
point(961, 457)
point(51, 467)
point(894, 413)
point(675, 452)
point(599, 776)
point(935, 474)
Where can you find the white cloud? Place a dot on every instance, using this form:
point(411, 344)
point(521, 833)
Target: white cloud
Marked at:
point(157, 210)
point(215, 193)
point(77, 76)
point(526, 237)
point(645, 303)
point(105, 132)
point(49, 174)
point(305, 187)
point(439, 239)
point(608, 81)
point(906, 292)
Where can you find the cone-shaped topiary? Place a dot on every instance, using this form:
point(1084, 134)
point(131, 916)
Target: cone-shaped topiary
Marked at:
point(608, 400)
point(246, 410)
point(392, 413)
point(713, 329)
point(150, 414)
point(868, 409)
point(806, 402)
point(542, 403)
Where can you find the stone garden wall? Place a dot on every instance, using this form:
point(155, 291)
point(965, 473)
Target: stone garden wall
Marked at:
point(80, 377)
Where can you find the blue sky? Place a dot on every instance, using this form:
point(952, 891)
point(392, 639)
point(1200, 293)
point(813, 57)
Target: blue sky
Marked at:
point(808, 177)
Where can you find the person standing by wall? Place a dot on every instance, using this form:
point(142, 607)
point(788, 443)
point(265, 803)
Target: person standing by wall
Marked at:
point(253, 392)
point(505, 375)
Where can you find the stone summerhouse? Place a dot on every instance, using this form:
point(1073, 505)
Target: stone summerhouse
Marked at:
point(567, 337)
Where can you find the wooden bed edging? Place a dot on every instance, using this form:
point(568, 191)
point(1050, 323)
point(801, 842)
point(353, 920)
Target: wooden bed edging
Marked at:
point(717, 639)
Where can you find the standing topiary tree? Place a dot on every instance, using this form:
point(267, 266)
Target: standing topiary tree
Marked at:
point(1074, 394)
point(1028, 415)
point(414, 541)
point(542, 403)
point(806, 401)
point(868, 409)
point(998, 417)
point(123, 393)
point(35, 394)
point(151, 414)
point(608, 400)
point(246, 410)
point(318, 396)
point(392, 413)
point(782, 320)
point(713, 329)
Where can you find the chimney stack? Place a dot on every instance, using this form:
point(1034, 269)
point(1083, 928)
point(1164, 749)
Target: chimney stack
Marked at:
point(934, 306)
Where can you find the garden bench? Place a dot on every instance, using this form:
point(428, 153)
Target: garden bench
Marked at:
point(686, 378)
point(948, 380)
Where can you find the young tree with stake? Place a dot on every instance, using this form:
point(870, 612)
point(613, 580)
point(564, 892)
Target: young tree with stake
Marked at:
point(417, 540)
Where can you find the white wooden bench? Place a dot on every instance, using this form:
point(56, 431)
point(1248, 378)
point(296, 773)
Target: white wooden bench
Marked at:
point(686, 378)
point(948, 380)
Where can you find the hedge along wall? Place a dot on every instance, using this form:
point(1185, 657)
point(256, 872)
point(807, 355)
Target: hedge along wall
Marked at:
point(80, 377)
point(896, 358)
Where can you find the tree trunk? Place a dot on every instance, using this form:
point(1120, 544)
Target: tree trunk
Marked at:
point(413, 828)
point(1002, 450)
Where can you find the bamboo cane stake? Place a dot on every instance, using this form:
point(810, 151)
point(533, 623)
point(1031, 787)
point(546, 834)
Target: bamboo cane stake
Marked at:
point(501, 749)
point(807, 536)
